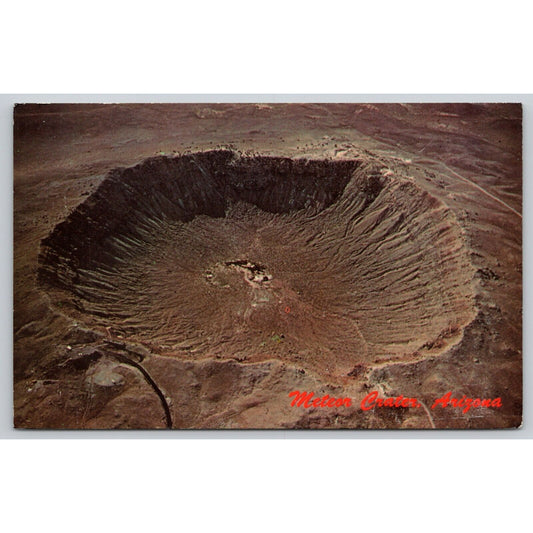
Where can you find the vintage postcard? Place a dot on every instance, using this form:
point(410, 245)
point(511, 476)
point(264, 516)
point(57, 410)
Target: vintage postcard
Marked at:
point(268, 266)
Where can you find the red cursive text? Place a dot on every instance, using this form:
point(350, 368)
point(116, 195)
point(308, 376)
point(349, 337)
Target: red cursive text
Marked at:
point(466, 403)
point(305, 399)
point(372, 400)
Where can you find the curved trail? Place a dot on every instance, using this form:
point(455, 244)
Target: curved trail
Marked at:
point(148, 378)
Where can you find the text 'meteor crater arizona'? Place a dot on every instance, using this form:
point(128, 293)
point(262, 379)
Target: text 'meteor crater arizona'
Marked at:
point(328, 264)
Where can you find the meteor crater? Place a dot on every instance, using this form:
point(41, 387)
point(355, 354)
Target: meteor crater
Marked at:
point(327, 265)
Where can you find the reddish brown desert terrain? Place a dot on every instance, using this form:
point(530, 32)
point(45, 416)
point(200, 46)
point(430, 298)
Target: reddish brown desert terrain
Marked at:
point(189, 266)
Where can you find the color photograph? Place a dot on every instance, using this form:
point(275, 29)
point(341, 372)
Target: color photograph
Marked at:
point(268, 266)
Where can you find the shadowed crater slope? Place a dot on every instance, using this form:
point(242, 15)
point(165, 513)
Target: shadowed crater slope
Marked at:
point(327, 265)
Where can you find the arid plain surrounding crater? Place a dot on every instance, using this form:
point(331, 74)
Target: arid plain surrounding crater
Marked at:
point(188, 266)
